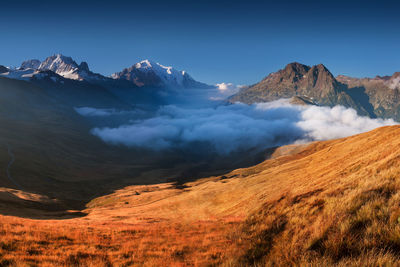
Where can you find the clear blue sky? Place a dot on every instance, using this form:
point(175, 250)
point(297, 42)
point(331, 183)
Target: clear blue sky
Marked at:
point(215, 41)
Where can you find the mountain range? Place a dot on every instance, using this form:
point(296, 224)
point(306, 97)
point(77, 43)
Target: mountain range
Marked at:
point(373, 97)
point(55, 152)
point(142, 74)
point(144, 83)
point(149, 73)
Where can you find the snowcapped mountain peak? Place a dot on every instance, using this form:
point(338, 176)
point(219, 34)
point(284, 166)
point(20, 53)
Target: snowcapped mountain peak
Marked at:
point(31, 64)
point(166, 73)
point(145, 64)
point(68, 68)
point(146, 73)
point(58, 63)
point(153, 74)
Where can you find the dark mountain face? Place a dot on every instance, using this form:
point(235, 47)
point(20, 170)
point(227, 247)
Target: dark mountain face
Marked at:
point(3, 69)
point(297, 80)
point(381, 94)
point(75, 93)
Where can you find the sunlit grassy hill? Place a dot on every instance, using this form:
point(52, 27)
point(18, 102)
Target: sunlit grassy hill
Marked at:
point(325, 203)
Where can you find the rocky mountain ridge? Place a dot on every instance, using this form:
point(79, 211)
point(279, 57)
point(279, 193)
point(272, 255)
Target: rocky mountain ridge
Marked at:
point(142, 74)
point(373, 97)
point(150, 73)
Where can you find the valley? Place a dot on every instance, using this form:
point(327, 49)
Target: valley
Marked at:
point(299, 207)
point(200, 133)
point(101, 171)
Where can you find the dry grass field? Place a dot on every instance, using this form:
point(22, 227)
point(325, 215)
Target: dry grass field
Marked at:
point(327, 203)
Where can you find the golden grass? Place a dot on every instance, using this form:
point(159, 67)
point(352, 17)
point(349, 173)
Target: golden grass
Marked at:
point(68, 243)
point(327, 203)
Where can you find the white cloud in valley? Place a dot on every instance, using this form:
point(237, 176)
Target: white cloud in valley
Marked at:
point(226, 89)
point(239, 126)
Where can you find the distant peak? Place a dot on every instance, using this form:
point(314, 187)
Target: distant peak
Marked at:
point(322, 67)
point(60, 56)
point(84, 66)
point(150, 64)
point(295, 64)
point(297, 68)
point(396, 74)
point(31, 64)
point(151, 73)
point(3, 69)
point(146, 62)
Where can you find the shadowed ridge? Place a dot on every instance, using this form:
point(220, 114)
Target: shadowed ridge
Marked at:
point(3, 69)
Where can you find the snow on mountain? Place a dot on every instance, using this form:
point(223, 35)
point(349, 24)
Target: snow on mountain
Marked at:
point(19, 74)
point(394, 81)
point(63, 66)
point(168, 75)
point(28, 74)
point(153, 74)
point(30, 64)
point(68, 68)
point(142, 74)
point(57, 64)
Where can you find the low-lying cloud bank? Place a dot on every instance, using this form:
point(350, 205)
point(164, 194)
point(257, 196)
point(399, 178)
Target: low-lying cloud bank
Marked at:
point(234, 127)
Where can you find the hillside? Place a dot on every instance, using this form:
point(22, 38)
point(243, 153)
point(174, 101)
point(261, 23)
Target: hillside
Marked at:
point(325, 203)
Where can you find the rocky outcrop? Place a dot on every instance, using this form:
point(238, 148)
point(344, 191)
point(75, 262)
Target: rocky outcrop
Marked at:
point(316, 83)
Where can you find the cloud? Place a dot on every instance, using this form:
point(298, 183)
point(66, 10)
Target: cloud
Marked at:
point(228, 128)
point(101, 112)
point(322, 123)
point(223, 87)
point(226, 89)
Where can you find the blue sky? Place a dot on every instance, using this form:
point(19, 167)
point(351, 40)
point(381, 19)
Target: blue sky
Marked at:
point(215, 41)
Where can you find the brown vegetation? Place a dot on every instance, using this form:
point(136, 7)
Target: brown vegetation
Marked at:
point(27, 242)
point(327, 203)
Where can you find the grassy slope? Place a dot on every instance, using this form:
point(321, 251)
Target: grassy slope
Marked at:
point(327, 203)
